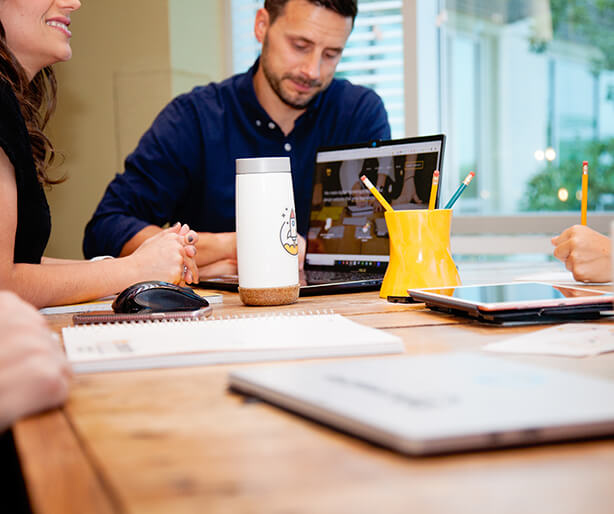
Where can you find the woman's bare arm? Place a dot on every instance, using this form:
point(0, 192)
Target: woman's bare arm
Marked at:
point(162, 257)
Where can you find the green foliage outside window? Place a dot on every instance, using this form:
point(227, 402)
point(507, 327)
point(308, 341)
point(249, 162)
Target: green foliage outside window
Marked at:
point(588, 22)
point(542, 193)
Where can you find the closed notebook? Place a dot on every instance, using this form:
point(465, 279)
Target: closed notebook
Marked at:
point(439, 403)
point(124, 346)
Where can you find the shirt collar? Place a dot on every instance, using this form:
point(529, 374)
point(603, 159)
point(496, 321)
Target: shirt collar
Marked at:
point(246, 93)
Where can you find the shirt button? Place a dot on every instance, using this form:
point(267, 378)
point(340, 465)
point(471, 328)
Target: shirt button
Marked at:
point(258, 123)
point(287, 147)
point(271, 125)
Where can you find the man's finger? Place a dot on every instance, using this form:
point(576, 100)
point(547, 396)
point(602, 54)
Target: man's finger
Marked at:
point(218, 269)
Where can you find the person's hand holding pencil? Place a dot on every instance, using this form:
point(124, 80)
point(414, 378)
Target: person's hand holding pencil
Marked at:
point(585, 252)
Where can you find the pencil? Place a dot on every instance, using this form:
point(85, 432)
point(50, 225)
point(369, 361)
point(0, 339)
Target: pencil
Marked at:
point(433, 197)
point(584, 192)
point(376, 193)
point(460, 190)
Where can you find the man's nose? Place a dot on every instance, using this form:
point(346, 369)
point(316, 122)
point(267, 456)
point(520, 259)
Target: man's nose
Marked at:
point(311, 66)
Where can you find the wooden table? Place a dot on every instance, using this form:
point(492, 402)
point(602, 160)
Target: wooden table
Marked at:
point(177, 441)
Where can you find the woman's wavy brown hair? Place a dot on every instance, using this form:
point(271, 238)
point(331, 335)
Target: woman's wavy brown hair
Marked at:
point(37, 99)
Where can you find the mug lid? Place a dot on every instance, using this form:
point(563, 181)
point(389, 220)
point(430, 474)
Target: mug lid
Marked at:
point(263, 165)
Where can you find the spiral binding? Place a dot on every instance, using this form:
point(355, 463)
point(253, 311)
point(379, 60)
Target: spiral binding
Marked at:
point(290, 314)
point(221, 317)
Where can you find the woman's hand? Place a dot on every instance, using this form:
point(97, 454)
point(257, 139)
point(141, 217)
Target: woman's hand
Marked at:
point(168, 256)
point(190, 269)
point(586, 253)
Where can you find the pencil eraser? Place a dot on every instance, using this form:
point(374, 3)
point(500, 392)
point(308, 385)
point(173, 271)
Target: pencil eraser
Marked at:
point(472, 173)
point(436, 173)
point(585, 163)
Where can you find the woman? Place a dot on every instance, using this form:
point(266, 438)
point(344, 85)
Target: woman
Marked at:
point(34, 34)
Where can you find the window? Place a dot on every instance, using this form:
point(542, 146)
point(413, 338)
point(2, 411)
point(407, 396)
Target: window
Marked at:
point(373, 56)
point(245, 48)
point(525, 86)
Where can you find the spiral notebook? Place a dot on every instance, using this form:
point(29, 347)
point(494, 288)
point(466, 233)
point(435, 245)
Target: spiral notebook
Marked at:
point(145, 345)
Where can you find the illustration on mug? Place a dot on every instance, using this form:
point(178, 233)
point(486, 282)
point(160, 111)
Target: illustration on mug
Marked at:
point(288, 234)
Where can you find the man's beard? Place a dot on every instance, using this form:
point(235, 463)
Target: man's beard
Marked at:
point(275, 83)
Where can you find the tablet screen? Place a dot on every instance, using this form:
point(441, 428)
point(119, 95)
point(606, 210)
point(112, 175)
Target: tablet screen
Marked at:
point(519, 293)
point(515, 296)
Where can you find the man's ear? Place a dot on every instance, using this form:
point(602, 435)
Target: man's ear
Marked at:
point(261, 24)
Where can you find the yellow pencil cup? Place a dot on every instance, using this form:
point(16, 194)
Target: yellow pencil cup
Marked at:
point(419, 251)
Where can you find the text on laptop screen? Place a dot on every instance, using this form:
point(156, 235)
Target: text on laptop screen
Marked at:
point(347, 226)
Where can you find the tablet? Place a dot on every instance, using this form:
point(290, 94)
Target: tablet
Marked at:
point(517, 301)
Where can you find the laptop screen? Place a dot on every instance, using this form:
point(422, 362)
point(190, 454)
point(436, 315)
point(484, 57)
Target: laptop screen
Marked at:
point(347, 229)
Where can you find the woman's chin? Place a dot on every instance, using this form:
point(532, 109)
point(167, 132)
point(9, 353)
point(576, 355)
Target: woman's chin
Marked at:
point(67, 55)
point(61, 56)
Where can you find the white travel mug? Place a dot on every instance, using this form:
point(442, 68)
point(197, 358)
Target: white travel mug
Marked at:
point(267, 238)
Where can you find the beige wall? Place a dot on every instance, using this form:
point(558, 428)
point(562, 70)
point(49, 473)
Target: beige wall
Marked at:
point(130, 57)
point(198, 42)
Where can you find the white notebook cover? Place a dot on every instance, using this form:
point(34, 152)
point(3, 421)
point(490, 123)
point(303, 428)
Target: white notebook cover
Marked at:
point(438, 403)
point(123, 346)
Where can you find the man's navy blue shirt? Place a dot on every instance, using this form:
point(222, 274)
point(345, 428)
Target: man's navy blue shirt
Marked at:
point(183, 168)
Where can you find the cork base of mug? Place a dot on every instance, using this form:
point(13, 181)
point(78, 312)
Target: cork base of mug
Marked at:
point(269, 295)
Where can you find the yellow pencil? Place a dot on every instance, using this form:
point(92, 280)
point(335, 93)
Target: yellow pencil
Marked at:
point(584, 192)
point(376, 193)
point(433, 197)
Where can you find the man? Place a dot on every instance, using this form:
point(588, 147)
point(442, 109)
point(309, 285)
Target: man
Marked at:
point(287, 104)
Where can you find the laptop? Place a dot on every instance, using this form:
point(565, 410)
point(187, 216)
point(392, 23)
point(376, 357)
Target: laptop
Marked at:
point(439, 403)
point(347, 239)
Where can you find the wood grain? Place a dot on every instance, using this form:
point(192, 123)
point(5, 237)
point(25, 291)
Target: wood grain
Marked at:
point(178, 441)
point(59, 476)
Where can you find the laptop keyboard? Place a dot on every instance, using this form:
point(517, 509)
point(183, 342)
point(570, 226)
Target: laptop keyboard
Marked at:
point(324, 277)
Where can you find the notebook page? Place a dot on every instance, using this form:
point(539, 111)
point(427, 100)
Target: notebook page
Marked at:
point(568, 340)
point(315, 335)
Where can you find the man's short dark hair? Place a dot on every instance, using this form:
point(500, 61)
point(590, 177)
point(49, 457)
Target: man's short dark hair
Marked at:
point(346, 8)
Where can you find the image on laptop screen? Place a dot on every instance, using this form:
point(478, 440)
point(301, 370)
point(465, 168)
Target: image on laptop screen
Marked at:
point(347, 229)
